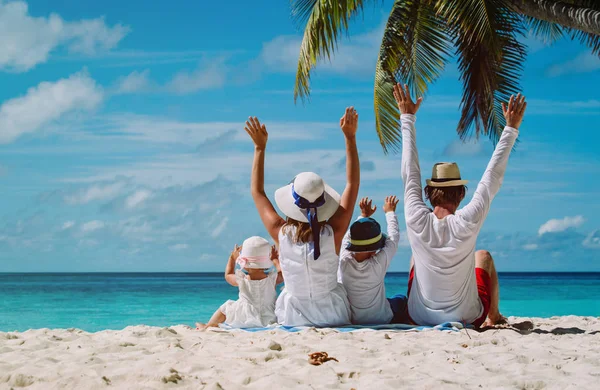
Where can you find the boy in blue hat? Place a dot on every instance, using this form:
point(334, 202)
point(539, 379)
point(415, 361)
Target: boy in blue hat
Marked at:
point(364, 259)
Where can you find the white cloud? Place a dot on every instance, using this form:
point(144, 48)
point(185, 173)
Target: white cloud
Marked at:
point(220, 227)
point(583, 63)
point(592, 240)
point(472, 147)
point(46, 103)
point(530, 247)
point(137, 198)
point(356, 56)
point(68, 225)
point(91, 226)
point(179, 247)
point(133, 82)
point(206, 76)
point(28, 41)
point(560, 225)
point(103, 191)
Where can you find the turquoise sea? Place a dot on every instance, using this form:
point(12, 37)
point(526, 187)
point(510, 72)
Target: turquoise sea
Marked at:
point(96, 301)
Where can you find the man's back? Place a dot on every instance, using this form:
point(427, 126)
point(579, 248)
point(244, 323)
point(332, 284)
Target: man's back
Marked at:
point(445, 285)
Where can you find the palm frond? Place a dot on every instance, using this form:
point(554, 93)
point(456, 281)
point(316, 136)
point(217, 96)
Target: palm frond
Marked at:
point(548, 32)
point(325, 21)
point(490, 61)
point(387, 116)
point(590, 40)
point(415, 49)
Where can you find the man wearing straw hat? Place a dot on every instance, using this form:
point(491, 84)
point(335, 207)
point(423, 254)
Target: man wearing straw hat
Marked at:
point(449, 280)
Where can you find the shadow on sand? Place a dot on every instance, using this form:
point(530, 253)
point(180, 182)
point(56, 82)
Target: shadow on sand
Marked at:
point(527, 327)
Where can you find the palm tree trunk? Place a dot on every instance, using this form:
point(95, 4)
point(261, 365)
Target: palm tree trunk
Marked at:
point(568, 15)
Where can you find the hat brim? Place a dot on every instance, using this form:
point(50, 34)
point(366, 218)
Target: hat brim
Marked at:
point(451, 183)
point(285, 202)
point(368, 248)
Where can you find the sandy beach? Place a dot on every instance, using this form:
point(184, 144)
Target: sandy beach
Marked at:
point(560, 352)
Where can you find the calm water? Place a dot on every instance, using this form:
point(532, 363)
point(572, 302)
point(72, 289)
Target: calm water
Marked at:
point(113, 301)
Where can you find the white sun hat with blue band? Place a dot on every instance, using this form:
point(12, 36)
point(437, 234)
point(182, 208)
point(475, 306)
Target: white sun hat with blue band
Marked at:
point(308, 199)
point(310, 186)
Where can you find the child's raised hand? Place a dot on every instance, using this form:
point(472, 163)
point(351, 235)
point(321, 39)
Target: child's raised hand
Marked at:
point(235, 253)
point(390, 204)
point(366, 207)
point(274, 253)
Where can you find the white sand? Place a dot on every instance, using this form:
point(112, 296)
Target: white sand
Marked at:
point(142, 357)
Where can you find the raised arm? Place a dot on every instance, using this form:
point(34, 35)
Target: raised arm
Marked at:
point(275, 260)
point(230, 267)
point(272, 221)
point(341, 219)
point(411, 171)
point(366, 210)
point(488, 187)
point(393, 231)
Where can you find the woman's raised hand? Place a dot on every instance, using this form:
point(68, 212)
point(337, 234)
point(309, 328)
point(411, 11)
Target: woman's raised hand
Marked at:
point(349, 122)
point(515, 111)
point(258, 132)
point(405, 102)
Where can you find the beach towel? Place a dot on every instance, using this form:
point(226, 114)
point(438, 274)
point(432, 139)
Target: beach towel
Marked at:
point(446, 326)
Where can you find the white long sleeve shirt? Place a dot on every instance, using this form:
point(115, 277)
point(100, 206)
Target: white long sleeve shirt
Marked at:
point(444, 286)
point(364, 281)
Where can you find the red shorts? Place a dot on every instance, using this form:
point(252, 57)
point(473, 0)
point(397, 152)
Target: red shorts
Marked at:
point(483, 289)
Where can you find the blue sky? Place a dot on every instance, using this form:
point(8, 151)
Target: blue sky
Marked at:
point(122, 145)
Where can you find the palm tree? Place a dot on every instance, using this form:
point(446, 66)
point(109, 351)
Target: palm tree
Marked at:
point(421, 36)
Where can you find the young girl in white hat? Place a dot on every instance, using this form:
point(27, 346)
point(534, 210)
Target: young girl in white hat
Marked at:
point(255, 306)
point(310, 238)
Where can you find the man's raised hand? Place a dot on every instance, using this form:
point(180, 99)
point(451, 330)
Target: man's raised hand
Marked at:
point(404, 100)
point(514, 112)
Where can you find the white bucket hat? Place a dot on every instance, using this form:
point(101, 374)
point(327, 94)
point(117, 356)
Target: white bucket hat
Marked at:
point(307, 188)
point(256, 253)
point(445, 174)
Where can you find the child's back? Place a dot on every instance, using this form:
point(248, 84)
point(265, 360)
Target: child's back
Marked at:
point(255, 306)
point(364, 259)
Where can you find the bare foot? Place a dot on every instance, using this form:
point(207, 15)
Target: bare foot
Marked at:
point(201, 326)
point(493, 321)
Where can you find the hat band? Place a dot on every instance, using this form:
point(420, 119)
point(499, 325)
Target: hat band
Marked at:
point(254, 261)
point(366, 242)
point(311, 214)
point(445, 180)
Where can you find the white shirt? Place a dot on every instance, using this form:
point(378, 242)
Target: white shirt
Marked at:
point(364, 281)
point(312, 295)
point(444, 287)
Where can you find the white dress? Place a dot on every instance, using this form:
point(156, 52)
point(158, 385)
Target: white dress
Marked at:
point(312, 295)
point(255, 307)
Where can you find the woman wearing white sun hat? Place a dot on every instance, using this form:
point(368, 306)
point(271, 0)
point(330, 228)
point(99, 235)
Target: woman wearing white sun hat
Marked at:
point(310, 238)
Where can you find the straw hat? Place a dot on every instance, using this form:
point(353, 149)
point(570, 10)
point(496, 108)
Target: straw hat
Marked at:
point(445, 174)
point(256, 253)
point(307, 187)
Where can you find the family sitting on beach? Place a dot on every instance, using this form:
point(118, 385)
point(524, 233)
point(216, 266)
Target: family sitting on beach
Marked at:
point(334, 276)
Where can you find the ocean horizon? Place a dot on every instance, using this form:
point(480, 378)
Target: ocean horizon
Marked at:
point(94, 301)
